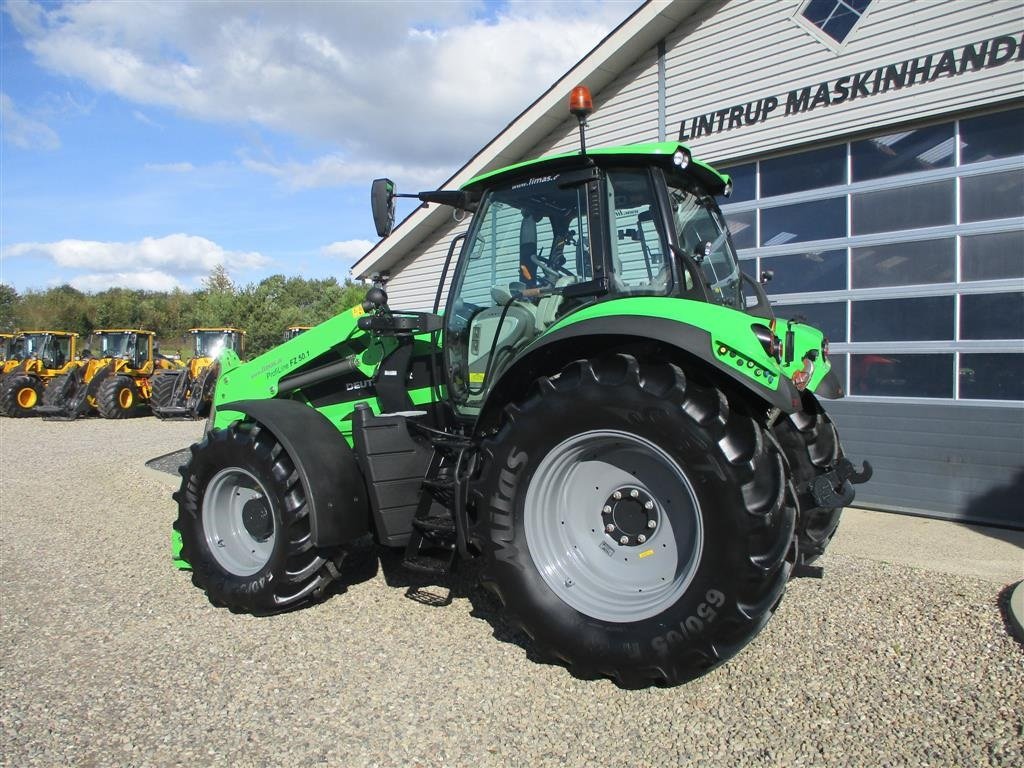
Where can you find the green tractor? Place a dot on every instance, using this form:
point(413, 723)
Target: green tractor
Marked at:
point(604, 415)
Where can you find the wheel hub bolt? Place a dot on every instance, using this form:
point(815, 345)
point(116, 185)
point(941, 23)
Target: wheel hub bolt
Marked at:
point(652, 523)
point(607, 509)
point(617, 495)
point(609, 528)
point(649, 505)
point(624, 540)
point(641, 538)
point(634, 493)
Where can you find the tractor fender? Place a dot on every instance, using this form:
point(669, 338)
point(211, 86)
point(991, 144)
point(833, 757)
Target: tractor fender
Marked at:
point(588, 338)
point(335, 490)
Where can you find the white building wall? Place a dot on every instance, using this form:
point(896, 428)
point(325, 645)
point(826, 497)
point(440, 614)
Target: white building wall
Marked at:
point(717, 58)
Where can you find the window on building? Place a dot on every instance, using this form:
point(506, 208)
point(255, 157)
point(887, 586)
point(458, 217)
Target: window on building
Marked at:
point(836, 18)
point(806, 272)
point(897, 375)
point(991, 137)
point(922, 149)
point(998, 256)
point(915, 263)
point(898, 249)
point(992, 376)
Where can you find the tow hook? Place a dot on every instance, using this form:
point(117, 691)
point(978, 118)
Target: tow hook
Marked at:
point(835, 488)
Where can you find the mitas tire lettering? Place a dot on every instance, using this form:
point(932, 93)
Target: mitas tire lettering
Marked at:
point(508, 480)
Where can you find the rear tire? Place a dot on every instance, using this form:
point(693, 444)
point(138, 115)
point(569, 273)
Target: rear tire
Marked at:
point(20, 395)
point(244, 524)
point(118, 398)
point(707, 575)
point(811, 444)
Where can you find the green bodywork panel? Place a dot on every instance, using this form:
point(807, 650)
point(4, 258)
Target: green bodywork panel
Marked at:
point(259, 379)
point(732, 339)
point(660, 152)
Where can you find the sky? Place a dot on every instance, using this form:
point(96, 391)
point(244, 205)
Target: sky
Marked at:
point(145, 143)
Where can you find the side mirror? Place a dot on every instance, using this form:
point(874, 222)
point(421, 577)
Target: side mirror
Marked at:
point(382, 203)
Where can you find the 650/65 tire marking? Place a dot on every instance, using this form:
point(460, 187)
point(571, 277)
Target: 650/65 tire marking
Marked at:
point(693, 624)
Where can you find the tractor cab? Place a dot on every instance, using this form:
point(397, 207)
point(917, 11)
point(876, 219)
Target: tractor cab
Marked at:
point(210, 342)
point(553, 236)
point(134, 347)
point(294, 330)
point(41, 350)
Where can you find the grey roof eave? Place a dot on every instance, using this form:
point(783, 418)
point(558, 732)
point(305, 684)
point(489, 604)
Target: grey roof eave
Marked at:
point(652, 22)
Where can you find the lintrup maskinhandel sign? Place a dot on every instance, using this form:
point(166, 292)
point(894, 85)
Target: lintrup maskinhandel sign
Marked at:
point(918, 71)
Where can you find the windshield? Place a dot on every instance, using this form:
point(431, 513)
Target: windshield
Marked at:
point(27, 345)
point(111, 344)
point(698, 222)
point(212, 343)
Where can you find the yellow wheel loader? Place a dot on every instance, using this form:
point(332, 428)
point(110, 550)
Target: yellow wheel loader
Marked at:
point(113, 380)
point(294, 330)
point(37, 357)
point(186, 393)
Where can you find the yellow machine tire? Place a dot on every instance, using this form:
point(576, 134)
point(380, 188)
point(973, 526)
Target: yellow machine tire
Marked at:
point(119, 398)
point(20, 395)
point(163, 383)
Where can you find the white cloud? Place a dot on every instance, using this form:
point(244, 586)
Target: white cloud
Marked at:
point(146, 280)
point(422, 84)
point(347, 250)
point(154, 263)
point(170, 167)
point(22, 131)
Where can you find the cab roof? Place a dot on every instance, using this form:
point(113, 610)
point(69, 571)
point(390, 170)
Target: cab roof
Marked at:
point(54, 333)
point(124, 330)
point(226, 329)
point(657, 153)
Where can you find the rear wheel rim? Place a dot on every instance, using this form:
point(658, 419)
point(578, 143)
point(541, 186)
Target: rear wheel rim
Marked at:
point(238, 522)
point(592, 538)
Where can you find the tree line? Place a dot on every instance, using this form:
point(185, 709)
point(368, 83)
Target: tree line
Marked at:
point(264, 309)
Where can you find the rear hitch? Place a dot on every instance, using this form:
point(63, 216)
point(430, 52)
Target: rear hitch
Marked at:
point(835, 488)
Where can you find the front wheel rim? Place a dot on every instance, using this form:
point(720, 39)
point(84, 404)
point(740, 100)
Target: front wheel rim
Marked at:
point(238, 522)
point(27, 398)
point(125, 398)
point(613, 526)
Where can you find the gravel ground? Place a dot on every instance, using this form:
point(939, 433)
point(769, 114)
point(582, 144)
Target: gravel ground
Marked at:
point(110, 657)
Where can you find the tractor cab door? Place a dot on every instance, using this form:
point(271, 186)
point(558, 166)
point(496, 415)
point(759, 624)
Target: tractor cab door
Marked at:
point(527, 259)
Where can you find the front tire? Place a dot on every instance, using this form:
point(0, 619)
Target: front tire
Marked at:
point(163, 384)
point(244, 524)
point(20, 395)
point(570, 487)
point(118, 398)
point(811, 444)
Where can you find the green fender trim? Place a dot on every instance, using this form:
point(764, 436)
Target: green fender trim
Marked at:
point(719, 335)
